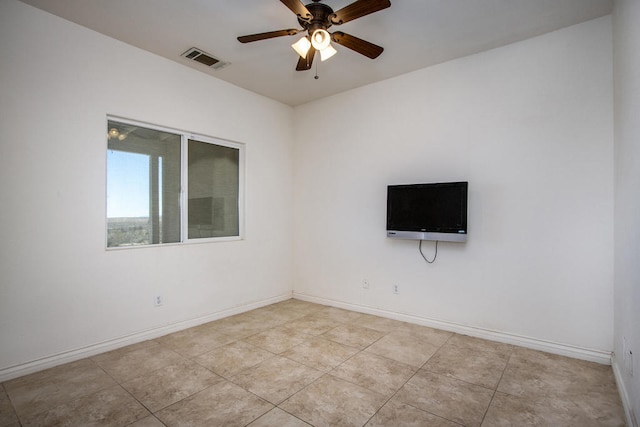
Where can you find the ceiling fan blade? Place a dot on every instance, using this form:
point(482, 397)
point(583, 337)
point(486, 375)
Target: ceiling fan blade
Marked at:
point(298, 8)
point(268, 35)
point(358, 9)
point(354, 43)
point(305, 63)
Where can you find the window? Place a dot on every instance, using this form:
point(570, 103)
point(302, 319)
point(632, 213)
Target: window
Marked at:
point(166, 186)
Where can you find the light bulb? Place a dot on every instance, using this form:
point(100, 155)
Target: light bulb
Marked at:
point(320, 39)
point(113, 133)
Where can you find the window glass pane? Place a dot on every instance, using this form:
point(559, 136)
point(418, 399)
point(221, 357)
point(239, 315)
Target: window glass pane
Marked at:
point(143, 186)
point(213, 173)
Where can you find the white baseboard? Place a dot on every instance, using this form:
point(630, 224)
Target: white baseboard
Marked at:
point(21, 369)
point(40, 364)
point(624, 395)
point(598, 356)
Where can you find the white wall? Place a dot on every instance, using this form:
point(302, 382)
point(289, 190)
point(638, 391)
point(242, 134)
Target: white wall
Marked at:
point(626, 19)
point(529, 126)
point(60, 290)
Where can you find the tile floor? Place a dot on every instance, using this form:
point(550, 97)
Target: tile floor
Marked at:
point(298, 364)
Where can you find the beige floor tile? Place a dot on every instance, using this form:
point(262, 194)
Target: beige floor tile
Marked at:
point(274, 316)
point(376, 373)
point(319, 353)
point(170, 384)
point(240, 326)
point(403, 348)
point(381, 324)
point(338, 314)
point(479, 344)
point(222, 404)
point(195, 341)
point(127, 366)
point(477, 367)
point(233, 358)
point(312, 325)
point(506, 410)
point(109, 407)
point(278, 418)
point(426, 334)
point(353, 336)
point(531, 382)
point(580, 370)
point(7, 414)
point(531, 373)
point(331, 401)
point(276, 379)
point(277, 340)
point(149, 421)
point(448, 398)
point(394, 414)
point(35, 393)
point(601, 406)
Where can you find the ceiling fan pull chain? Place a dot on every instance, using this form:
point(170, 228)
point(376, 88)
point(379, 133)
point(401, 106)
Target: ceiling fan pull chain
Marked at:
point(316, 76)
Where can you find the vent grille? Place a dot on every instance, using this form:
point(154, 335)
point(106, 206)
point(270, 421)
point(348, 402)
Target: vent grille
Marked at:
point(202, 57)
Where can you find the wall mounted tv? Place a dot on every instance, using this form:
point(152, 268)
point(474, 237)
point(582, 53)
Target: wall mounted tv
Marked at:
point(435, 211)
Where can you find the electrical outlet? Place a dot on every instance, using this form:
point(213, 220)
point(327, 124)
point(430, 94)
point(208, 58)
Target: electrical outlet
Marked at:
point(158, 300)
point(365, 284)
point(396, 289)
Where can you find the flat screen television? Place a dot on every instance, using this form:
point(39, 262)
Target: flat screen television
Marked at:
point(435, 211)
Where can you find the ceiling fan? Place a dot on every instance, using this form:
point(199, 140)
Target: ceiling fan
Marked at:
point(315, 18)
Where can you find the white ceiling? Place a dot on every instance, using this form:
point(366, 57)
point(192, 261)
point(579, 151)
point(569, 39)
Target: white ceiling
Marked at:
point(414, 33)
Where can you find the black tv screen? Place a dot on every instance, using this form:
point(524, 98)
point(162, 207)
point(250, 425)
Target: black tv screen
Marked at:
point(428, 211)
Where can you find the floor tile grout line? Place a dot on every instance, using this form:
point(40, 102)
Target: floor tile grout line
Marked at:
point(403, 384)
point(283, 410)
point(411, 377)
point(15, 412)
point(506, 365)
point(422, 367)
point(187, 358)
point(360, 350)
point(93, 392)
point(125, 389)
point(261, 398)
point(137, 400)
point(404, 403)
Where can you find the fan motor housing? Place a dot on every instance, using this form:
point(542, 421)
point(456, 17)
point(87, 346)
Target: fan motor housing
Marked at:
point(321, 14)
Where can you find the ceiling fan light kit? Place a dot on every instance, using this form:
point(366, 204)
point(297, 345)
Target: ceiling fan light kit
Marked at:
point(315, 18)
point(327, 53)
point(320, 40)
point(302, 46)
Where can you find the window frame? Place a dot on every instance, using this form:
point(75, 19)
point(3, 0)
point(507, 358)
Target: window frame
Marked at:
point(185, 136)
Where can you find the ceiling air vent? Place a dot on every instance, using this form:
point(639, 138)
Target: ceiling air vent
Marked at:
point(202, 57)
